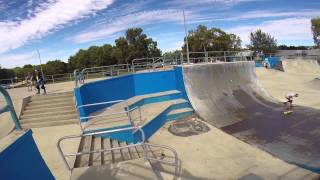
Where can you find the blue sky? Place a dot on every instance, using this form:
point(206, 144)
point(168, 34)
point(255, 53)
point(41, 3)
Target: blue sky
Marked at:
point(59, 28)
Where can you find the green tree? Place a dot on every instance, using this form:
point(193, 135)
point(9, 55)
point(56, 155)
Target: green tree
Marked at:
point(136, 44)
point(285, 47)
point(172, 54)
point(22, 72)
point(6, 74)
point(315, 27)
point(214, 39)
point(80, 60)
point(261, 41)
point(55, 67)
point(107, 56)
point(121, 50)
point(93, 56)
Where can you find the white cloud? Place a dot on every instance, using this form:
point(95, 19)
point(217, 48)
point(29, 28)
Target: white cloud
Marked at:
point(284, 29)
point(124, 22)
point(13, 60)
point(192, 3)
point(10, 60)
point(259, 14)
point(172, 46)
point(46, 18)
point(170, 41)
point(273, 14)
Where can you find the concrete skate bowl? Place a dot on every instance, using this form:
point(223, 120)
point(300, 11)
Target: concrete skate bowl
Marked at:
point(301, 66)
point(228, 96)
point(314, 84)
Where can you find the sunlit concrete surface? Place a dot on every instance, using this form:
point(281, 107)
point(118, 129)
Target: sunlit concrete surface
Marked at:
point(17, 95)
point(211, 155)
point(278, 84)
point(46, 139)
point(218, 155)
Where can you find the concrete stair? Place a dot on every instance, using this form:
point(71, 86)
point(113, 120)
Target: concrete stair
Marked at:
point(126, 170)
point(49, 110)
point(179, 113)
point(105, 162)
point(93, 143)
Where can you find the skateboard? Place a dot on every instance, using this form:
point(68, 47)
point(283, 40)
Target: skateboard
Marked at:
point(287, 112)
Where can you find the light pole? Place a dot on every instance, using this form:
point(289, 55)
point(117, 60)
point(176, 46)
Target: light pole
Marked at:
point(40, 65)
point(186, 31)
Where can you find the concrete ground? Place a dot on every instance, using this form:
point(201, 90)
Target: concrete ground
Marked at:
point(45, 138)
point(217, 155)
point(17, 94)
point(210, 155)
point(278, 84)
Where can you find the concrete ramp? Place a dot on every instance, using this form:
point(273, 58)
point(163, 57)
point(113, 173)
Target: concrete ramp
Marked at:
point(228, 96)
point(314, 84)
point(304, 66)
point(210, 88)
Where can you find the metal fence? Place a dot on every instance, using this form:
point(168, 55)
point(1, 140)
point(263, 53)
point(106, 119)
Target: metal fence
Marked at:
point(105, 71)
point(145, 146)
point(56, 78)
point(155, 63)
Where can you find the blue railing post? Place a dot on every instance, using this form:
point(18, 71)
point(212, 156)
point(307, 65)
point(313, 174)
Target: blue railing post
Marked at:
point(10, 107)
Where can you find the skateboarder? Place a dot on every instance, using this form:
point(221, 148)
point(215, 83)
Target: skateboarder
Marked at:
point(29, 81)
point(289, 98)
point(40, 82)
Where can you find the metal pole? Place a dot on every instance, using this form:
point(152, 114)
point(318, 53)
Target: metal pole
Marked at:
point(10, 107)
point(41, 65)
point(75, 74)
point(185, 29)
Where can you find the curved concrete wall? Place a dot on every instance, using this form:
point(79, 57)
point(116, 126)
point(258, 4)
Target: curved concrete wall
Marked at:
point(303, 66)
point(228, 96)
point(211, 87)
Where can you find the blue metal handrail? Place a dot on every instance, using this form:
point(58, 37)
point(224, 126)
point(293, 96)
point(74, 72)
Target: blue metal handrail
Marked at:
point(9, 108)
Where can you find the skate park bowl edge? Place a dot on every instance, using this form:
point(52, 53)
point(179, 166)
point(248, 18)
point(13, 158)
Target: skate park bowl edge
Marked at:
point(228, 96)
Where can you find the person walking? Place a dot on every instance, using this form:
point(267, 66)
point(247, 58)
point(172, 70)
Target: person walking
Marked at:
point(40, 82)
point(29, 81)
